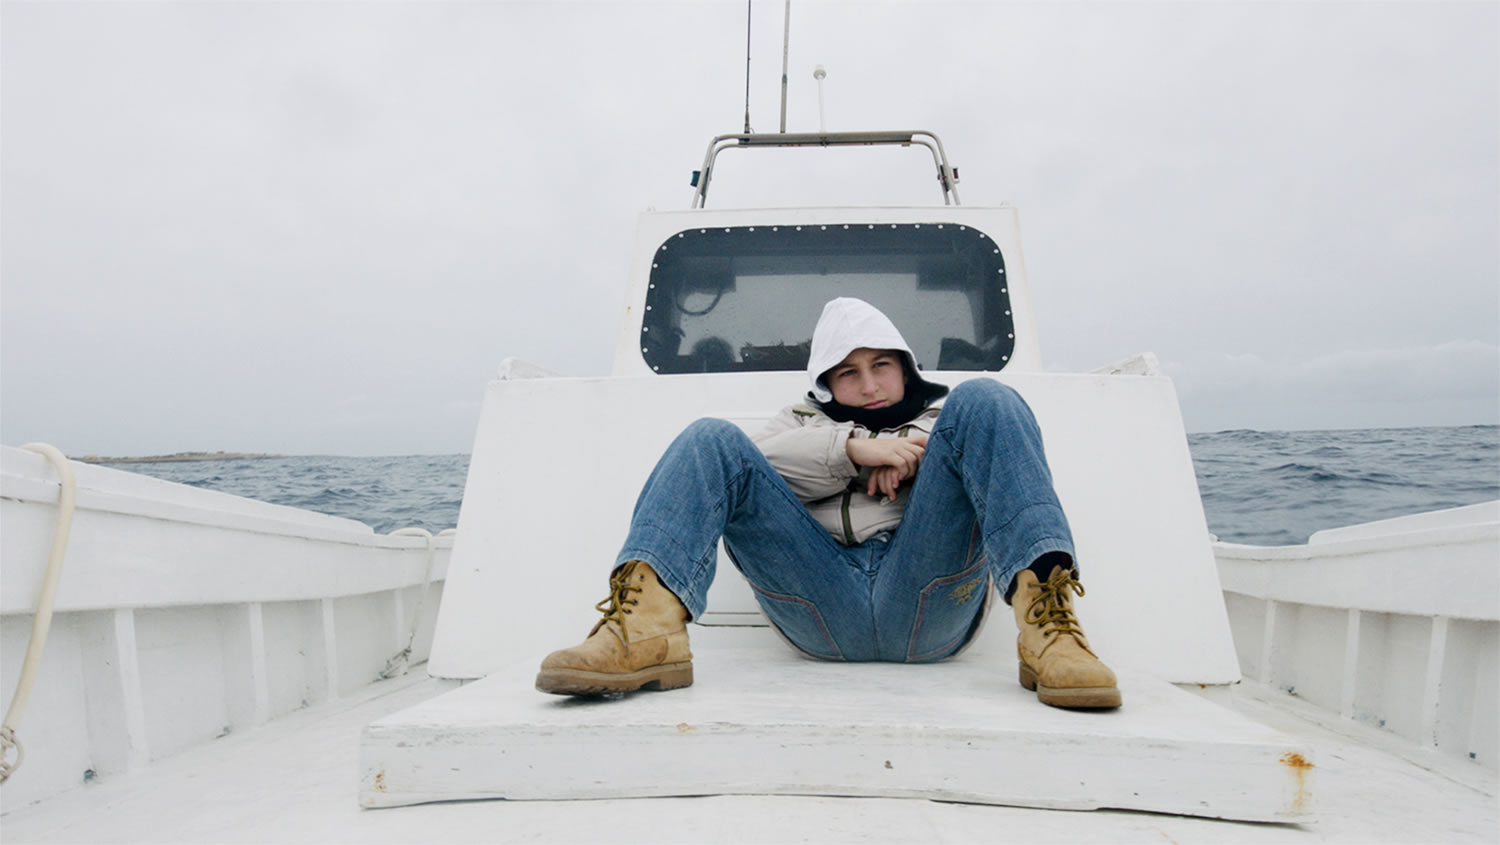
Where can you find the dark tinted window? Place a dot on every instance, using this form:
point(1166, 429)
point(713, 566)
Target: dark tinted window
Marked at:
point(747, 298)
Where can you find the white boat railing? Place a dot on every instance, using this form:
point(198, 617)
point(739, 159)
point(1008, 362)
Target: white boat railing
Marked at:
point(1393, 624)
point(184, 614)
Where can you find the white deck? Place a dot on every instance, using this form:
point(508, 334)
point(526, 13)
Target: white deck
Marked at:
point(294, 781)
point(761, 720)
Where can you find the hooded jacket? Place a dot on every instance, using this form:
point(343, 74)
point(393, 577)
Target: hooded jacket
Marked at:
point(806, 445)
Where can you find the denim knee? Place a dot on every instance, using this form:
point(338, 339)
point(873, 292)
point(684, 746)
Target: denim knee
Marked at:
point(984, 392)
point(711, 430)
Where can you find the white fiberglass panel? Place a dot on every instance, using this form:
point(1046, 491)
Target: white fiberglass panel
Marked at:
point(182, 676)
point(541, 525)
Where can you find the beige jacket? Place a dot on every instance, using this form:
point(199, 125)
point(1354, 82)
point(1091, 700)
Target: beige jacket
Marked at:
point(807, 448)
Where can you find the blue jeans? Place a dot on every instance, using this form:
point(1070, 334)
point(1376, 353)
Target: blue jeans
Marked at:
point(982, 508)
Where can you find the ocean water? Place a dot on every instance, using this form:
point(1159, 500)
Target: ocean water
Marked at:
point(1262, 487)
point(385, 493)
point(1276, 488)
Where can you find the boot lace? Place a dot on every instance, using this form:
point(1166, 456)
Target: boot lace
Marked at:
point(616, 605)
point(1052, 609)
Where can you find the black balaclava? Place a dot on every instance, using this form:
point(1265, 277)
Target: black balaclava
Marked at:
point(919, 394)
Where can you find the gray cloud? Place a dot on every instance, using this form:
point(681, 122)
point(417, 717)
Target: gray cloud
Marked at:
point(317, 227)
point(1385, 386)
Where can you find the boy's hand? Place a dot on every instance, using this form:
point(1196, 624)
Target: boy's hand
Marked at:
point(884, 480)
point(895, 459)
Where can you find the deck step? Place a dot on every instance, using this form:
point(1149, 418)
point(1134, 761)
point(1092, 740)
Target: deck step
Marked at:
point(761, 720)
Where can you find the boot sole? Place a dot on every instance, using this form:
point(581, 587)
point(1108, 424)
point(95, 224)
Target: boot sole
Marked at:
point(1078, 698)
point(580, 682)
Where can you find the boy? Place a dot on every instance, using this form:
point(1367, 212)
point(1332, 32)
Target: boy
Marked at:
point(868, 521)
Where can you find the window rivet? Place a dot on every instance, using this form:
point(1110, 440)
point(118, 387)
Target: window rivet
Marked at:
point(645, 328)
point(1007, 313)
point(1011, 336)
point(1005, 290)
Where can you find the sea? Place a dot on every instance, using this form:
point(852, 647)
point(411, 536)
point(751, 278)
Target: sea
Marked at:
point(1260, 487)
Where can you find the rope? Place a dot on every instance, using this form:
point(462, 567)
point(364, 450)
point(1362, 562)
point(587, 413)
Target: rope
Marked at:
point(397, 665)
point(9, 743)
point(40, 623)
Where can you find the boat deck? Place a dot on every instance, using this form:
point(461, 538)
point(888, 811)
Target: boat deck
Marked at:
point(296, 780)
point(762, 720)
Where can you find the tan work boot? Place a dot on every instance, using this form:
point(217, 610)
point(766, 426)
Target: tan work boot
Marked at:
point(641, 641)
point(1055, 657)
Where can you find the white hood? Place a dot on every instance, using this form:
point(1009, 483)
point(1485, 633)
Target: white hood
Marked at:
point(846, 325)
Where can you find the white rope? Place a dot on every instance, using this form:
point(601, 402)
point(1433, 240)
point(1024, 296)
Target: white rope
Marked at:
point(42, 620)
point(397, 665)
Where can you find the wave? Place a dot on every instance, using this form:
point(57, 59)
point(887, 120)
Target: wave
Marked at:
point(1263, 487)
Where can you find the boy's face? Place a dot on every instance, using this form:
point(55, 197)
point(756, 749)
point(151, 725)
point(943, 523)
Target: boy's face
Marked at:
point(868, 378)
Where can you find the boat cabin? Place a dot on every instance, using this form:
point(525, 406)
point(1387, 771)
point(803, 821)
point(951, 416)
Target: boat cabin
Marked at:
point(717, 320)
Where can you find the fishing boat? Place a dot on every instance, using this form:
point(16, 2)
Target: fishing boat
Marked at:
point(222, 669)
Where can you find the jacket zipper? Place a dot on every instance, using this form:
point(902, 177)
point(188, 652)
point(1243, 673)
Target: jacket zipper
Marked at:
point(848, 525)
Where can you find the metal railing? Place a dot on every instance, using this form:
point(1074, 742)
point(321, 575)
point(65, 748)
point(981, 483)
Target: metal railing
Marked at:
point(947, 175)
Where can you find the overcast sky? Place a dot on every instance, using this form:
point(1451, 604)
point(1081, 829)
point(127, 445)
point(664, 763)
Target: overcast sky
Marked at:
point(307, 227)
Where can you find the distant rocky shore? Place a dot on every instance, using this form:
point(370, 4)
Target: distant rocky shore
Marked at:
point(178, 457)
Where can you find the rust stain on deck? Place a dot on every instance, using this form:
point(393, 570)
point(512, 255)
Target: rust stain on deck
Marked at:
point(1296, 761)
point(1301, 770)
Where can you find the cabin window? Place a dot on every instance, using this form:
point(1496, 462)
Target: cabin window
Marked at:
point(746, 298)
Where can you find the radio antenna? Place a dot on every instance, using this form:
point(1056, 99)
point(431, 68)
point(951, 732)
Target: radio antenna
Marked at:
point(818, 73)
point(786, 44)
point(747, 66)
